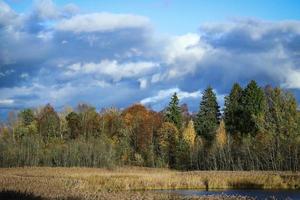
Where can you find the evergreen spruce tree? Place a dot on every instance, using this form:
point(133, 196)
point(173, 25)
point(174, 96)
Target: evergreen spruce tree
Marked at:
point(173, 112)
point(232, 110)
point(208, 117)
point(253, 109)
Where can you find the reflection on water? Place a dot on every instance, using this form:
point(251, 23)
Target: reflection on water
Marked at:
point(258, 194)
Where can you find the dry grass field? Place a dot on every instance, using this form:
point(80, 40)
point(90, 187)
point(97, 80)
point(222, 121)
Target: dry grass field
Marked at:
point(133, 182)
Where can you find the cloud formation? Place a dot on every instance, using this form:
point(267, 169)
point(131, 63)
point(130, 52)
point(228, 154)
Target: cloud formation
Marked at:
point(166, 94)
point(101, 22)
point(63, 56)
point(113, 69)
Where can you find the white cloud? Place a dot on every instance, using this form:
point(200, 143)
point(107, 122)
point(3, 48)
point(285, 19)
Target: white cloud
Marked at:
point(45, 35)
point(6, 73)
point(46, 9)
point(102, 22)
point(292, 79)
point(161, 99)
point(71, 9)
point(112, 68)
point(256, 29)
point(7, 16)
point(165, 94)
point(182, 54)
point(101, 83)
point(180, 47)
point(55, 94)
point(143, 83)
point(24, 75)
point(6, 102)
point(60, 93)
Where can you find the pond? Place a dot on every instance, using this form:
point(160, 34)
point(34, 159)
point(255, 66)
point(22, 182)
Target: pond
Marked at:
point(258, 194)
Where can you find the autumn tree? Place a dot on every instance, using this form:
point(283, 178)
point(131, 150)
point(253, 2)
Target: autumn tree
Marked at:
point(267, 123)
point(186, 147)
point(48, 123)
point(207, 119)
point(138, 121)
point(112, 123)
point(221, 136)
point(89, 120)
point(168, 140)
point(189, 134)
point(73, 120)
point(64, 128)
point(173, 112)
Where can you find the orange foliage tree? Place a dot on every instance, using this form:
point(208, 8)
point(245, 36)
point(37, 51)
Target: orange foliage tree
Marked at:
point(143, 125)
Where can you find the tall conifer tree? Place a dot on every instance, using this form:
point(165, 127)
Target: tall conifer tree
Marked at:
point(208, 117)
point(232, 110)
point(173, 112)
point(253, 103)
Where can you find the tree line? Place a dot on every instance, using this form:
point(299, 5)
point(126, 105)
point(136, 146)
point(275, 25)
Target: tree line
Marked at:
point(258, 129)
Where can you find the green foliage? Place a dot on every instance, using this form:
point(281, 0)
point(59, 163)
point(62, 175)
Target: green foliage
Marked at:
point(207, 119)
point(26, 116)
point(281, 115)
point(183, 155)
point(33, 151)
point(24, 152)
point(233, 110)
point(253, 108)
point(173, 112)
point(123, 147)
point(168, 140)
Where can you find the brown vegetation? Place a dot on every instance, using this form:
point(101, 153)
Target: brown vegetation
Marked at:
point(133, 182)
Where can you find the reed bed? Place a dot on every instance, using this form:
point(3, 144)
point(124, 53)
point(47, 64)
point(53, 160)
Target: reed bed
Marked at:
point(135, 182)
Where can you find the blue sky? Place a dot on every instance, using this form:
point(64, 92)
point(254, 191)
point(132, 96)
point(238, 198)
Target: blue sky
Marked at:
point(178, 17)
point(115, 53)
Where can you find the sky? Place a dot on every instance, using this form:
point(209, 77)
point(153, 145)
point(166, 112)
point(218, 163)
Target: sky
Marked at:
point(120, 52)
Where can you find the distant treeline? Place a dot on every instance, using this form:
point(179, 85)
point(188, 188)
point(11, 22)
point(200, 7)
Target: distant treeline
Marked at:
point(259, 129)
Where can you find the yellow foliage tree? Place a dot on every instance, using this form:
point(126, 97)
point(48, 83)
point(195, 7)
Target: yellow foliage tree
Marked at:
point(189, 134)
point(221, 136)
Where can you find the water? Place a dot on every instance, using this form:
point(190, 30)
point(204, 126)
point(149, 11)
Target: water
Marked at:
point(258, 194)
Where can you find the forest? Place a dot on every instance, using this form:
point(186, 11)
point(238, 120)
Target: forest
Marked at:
point(258, 129)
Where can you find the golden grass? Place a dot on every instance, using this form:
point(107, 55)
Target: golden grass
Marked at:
point(93, 183)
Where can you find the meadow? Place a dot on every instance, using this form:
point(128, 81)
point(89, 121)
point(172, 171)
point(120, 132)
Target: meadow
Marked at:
point(133, 182)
